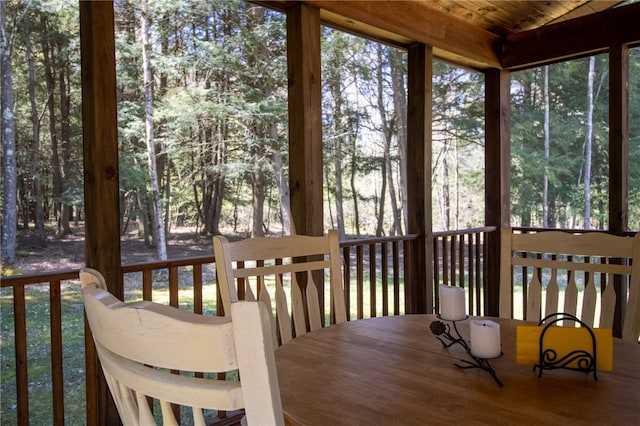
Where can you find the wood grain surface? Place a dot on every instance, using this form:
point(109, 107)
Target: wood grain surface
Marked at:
point(393, 371)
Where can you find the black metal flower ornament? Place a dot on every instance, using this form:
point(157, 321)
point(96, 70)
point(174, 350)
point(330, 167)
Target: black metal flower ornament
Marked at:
point(438, 328)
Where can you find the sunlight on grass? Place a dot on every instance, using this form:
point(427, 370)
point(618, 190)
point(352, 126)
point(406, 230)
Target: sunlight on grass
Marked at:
point(39, 355)
point(39, 349)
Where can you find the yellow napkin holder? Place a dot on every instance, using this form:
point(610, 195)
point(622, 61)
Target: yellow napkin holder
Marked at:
point(548, 346)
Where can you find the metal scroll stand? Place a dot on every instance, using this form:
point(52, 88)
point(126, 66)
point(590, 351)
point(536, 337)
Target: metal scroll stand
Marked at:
point(581, 359)
point(439, 328)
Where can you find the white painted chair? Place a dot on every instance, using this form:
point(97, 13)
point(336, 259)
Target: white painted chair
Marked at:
point(546, 260)
point(243, 266)
point(141, 347)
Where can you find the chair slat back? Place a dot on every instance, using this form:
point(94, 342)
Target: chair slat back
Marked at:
point(565, 265)
point(283, 262)
point(142, 345)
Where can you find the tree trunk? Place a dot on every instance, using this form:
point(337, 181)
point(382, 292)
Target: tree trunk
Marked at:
point(9, 216)
point(283, 187)
point(219, 179)
point(35, 147)
point(338, 173)
point(65, 140)
point(352, 183)
point(56, 168)
point(157, 228)
point(588, 145)
point(143, 215)
point(445, 193)
point(545, 183)
point(400, 107)
point(386, 135)
point(383, 194)
point(335, 86)
point(456, 184)
point(167, 195)
point(257, 185)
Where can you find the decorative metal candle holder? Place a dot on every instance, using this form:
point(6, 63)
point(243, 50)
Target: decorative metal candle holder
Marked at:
point(583, 360)
point(440, 328)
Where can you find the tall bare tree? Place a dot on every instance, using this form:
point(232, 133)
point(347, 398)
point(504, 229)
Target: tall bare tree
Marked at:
point(49, 51)
point(387, 134)
point(65, 139)
point(35, 143)
point(545, 183)
point(9, 214)
point(157, 224)
point(588, 144)
point(334, 80)
point(283, 186)
point(398, 72)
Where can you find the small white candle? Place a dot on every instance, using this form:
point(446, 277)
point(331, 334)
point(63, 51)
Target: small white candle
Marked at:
point(485, 339)
point(452, 307)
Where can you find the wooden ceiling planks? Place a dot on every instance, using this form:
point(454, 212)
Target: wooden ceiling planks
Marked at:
point(484, 34)
point(412, 20)
point(505, 17)
point(590, 33)
point(588, 8)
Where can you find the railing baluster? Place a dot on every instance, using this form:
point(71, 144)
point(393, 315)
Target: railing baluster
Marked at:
point(57, 377)
point(22, 379)
point(385, 278)
point(372, 281)
point(466, 262)
point(359, 281)
point(437, 244)
point(445, 261)
point(147, 285)
point(478, 274)
point(173, 286)
point(197, 289)
point(396, 277)
point(346, 272)
point(452, 263)
point(460, 263)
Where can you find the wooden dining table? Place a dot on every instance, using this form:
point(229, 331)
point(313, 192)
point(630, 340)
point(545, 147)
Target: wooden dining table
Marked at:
point(394, 371)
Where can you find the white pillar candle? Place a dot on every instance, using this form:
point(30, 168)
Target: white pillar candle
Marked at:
point(485, 339)
point(452, 307)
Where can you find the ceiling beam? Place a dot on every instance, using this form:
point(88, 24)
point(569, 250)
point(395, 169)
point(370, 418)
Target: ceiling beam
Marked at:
point(405, 22)
point(572, 38)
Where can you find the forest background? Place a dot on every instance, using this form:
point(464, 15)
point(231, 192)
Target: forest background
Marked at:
point(202, 113)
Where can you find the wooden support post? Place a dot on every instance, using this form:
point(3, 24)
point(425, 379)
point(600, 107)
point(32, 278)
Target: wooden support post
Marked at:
point(618, 139)
point(305, 119)
point(101, 190)
point(419, 258)
point(497, 176)
point(305, 124)
point(619, 160)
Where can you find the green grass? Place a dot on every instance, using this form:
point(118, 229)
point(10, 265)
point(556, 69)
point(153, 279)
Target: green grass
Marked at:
point(39, 350)
point(39, 356)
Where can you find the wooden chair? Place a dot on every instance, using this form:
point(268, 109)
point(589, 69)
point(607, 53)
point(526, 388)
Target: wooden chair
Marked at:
point(249, 262)
point(139, 343)
point(588, 261)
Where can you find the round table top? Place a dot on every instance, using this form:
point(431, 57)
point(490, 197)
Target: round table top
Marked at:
point(394, 371)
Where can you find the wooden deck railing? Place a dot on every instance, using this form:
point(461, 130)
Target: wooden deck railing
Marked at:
point(459, 259)
point(52, 391)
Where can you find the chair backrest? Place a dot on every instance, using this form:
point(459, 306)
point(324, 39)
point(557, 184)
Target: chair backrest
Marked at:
point(565, 265)
point(268, 267)
point(142, 347)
